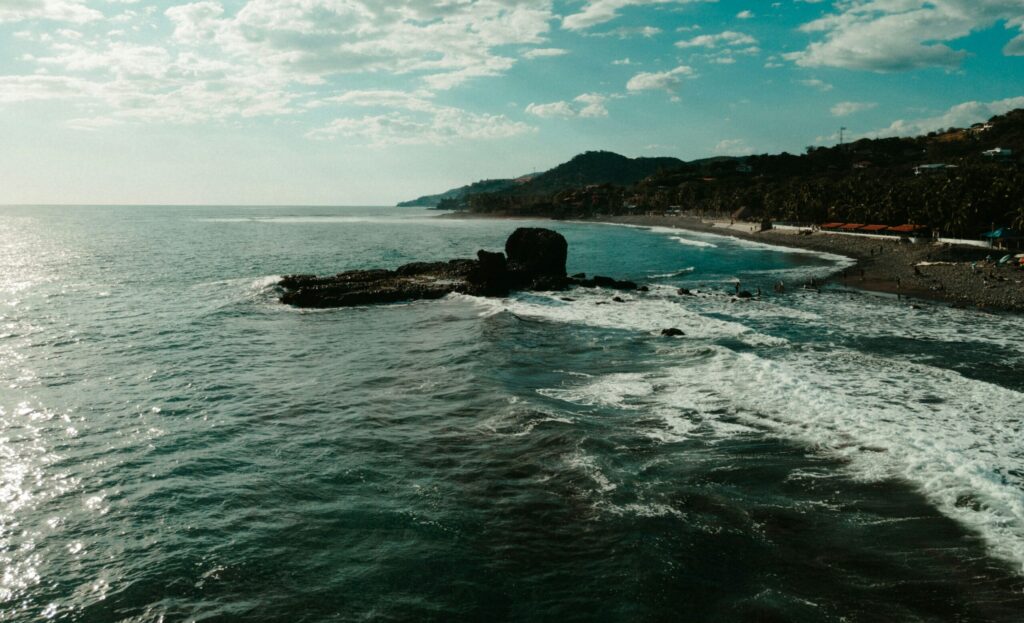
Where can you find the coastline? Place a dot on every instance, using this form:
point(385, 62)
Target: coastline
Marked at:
point(940, 273)
point(921, 271)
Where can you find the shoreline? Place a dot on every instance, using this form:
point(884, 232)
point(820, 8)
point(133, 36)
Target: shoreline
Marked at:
point(883, 266)
point(924, 271)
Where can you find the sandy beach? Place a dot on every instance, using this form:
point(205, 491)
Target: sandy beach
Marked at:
point(937, 272)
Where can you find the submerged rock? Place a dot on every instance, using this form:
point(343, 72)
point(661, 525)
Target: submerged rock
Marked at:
point(599, 281)
point(534, 260)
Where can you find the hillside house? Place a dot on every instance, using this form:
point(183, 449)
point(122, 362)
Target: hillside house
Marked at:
point(932, 169)
point(998, 153)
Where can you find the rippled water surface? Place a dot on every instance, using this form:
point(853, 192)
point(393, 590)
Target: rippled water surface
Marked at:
point(176, 445)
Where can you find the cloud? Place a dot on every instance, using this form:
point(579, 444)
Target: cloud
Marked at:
point(843, 109)
point(412, 119)
point(195, 22)
point(900, 35)
point(733, 147)
point(74, 11)
point(545, 52)
point(37, 88)
point(272, 57)
point(587, 105)
point(647, 32)
point(746, 14)
point(815, 83)
point(959, 116)
point(727, 38)
point(664, 80)
point(444, 42)
point(596, 12)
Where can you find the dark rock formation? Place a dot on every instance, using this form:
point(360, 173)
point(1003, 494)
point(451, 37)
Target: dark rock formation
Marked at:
point(603, 282)
point(534, 259)
point(673, 332)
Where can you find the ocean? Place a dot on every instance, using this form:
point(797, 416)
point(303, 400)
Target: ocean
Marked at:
point(176, 445)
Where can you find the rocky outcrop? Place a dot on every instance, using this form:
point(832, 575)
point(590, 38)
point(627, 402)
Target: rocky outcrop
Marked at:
point(534, 260)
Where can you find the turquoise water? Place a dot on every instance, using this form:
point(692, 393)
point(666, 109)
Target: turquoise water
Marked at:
point(176, 445)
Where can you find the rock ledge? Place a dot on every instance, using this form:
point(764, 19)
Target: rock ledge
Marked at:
point(534, 260)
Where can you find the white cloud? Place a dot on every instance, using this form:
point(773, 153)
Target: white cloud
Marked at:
point(843, 109)
point(445, 42)
point(271, 57)
point(896, 35)
point(727, 38)
point(815, 83)
point(74, 11)
point(16, 89)
point(664, 80)
point(545, 52)
point(587, 105)
point(733, 147)
point(959, 116)
point(596, 12)
point(413, 119)
point(195, 22)
point(746, 14)
point(647, 32)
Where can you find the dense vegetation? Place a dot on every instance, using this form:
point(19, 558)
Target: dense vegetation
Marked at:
point(868, 181)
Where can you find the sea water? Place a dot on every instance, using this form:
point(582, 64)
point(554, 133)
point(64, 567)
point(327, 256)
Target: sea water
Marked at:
point(177, 445)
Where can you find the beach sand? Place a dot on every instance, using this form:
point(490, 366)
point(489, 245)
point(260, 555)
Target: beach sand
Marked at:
point(937, 272)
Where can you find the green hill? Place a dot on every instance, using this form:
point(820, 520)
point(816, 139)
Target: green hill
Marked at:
point(590, 168)
point(456, 194)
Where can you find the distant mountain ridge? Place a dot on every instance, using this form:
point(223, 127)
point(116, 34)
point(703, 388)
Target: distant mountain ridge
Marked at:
point(961, 182)
point(586, 169)
point(456, 194)
point(596, 167)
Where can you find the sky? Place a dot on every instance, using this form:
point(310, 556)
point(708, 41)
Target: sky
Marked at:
point(369, 102)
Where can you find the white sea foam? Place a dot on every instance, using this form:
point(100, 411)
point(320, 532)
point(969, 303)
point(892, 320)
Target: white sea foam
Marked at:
point(645, 313)
point(694, 243)
point(885, 417)
point(715, 239)
point(586, 464)
point(959, 441)
point(895, 418)
point(678, 273)
point(615, 389)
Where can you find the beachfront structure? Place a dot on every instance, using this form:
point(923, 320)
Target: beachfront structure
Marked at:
point(903, 231)
point(931, 169)
point(998, 152)
point(1005, 238)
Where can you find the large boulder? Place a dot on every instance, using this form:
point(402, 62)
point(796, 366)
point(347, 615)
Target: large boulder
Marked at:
point(537, 252)
point(490, 276)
